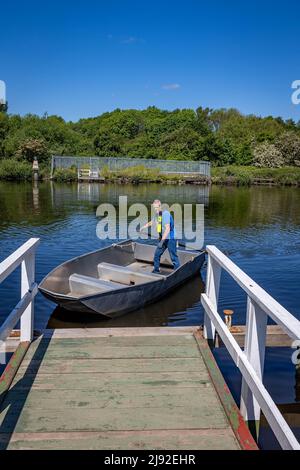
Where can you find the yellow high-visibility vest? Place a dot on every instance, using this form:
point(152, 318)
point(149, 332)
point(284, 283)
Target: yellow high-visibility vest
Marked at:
point(159, 224)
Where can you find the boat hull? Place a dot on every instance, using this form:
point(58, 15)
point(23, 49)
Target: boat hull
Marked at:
point(118, 302)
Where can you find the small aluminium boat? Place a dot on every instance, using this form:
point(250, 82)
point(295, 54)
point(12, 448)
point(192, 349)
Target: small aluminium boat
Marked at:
point(117, 279)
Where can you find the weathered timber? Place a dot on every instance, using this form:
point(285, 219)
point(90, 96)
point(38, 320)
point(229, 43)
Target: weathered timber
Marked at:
point(276, 336)
point(106, 390)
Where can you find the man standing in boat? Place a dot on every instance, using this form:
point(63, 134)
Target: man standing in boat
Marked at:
point(164, 223)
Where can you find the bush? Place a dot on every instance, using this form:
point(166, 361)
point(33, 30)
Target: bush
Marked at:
point(33, 148)
point(289, 145)
point(65, 175)
point(14, 170)
point(267, 155)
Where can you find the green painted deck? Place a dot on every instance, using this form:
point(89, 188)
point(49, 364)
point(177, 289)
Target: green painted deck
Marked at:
point(144, 388)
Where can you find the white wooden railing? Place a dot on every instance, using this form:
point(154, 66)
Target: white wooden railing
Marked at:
point(24, 310)
point(250, 362)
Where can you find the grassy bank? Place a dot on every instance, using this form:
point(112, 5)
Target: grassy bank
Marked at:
point(14, 170)
point(248, 175)
point(135, 174)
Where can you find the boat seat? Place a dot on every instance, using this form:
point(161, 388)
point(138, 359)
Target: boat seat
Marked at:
point(124, 275)
point(143, 252)
point(84, 285)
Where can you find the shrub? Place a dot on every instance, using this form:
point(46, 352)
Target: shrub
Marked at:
point(289, 145)
point(14, 170)
point(267, 155)
point(65, 174)
point(31, 148)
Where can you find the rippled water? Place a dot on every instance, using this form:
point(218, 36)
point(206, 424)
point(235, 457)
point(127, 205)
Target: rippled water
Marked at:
point(258, 227)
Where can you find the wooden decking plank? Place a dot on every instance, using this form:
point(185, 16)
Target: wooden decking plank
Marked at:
point(63, 333)
point(108, 380)
point(116, 341)
point(88, 366)
point(110, 392)
point(179, 439)
point(118, 398)
point(80, 351)
point(79, 419)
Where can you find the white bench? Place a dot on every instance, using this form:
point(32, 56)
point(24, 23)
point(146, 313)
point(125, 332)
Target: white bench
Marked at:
point(85, 285)
point(124, 275)
point(144, 252)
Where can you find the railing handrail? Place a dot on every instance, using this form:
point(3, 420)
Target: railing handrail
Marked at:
point(271, 307)
point(24, 255)
point(268, 406)
point(254, 396)
point(8, 265)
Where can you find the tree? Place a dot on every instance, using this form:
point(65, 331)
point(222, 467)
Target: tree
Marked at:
point(223, 136)
point(107, 145)
point(204, 124)
point(33, 148)
point(289, 146)
point(4, 126)
point(219, 152)
point(267, 155)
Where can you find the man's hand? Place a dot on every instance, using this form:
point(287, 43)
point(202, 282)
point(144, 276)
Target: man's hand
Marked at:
point(146, 226)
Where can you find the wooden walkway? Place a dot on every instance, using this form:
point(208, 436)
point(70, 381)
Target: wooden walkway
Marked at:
point(133, 388)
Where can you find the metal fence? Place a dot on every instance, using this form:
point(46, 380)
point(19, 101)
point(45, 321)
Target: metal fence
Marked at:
point(117, 164)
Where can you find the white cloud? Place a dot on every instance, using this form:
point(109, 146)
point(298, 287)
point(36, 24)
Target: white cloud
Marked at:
point(171, 86)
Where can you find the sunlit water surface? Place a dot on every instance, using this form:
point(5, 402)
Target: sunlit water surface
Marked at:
point(258, 227)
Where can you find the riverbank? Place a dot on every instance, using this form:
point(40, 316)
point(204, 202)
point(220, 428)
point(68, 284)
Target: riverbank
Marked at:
point(249, 175)
point(12, 170)
point(230, 175)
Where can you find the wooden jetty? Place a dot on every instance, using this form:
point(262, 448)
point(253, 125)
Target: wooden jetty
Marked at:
point(137, 388)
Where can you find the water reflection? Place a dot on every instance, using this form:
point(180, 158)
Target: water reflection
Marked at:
point(259, 227)
point(97, 193)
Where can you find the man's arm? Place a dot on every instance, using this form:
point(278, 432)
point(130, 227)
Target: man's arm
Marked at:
point(166, 232)
point(147, 225)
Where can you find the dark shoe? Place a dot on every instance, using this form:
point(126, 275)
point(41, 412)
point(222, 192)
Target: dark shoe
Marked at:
point(155, 271)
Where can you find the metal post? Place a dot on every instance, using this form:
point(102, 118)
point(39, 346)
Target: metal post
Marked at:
point(27, 279)
point(212, 292)
point(255, 345)
point(228, 318)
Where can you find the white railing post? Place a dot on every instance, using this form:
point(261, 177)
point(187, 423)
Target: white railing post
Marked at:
point(212, 292)
point(255, 345)
point(250, 362)
point(27, 281)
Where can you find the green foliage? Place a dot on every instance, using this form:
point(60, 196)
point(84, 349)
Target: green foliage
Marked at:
point(32, 148)
point(133, 173)
point(140, 173)
point(244, 176)
point(14, 170)
point(65, 174)
point(222, 136)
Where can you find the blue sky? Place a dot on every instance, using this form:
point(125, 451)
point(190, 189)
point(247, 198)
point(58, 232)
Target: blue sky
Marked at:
point(81, 58)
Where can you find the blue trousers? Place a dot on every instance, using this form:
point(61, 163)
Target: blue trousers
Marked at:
point(169, 244)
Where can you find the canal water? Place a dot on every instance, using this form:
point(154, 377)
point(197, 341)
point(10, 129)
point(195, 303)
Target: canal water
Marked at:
point(258, 227)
